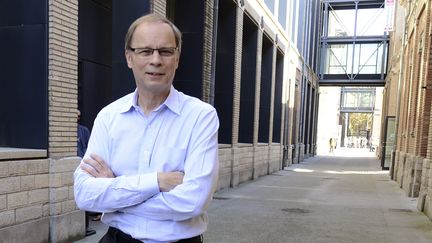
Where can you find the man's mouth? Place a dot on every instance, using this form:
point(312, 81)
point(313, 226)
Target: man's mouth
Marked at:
point(154, 73)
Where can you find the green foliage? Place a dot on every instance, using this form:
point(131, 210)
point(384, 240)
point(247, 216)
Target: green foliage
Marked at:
point(359, 123)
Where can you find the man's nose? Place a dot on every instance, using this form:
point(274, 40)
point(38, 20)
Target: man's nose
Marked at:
point(156, 57)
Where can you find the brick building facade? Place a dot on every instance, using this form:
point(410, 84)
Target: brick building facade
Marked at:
point(237, 55)
point(407, 100)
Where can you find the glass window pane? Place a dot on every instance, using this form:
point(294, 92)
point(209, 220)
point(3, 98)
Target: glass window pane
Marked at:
point(365, 100)
point(371, 22)
point(270, 4)
point(341, 22)
point(368, 59)
point(339, 59)
point(351, 100)
point(282, 13)
point(294, 17)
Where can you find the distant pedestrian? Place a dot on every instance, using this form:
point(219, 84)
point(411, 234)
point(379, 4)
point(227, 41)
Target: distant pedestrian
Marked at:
point(332, 145)
point(371, 147)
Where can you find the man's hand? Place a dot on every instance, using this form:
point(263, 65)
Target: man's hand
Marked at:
point(97, 167)
point(169, 180)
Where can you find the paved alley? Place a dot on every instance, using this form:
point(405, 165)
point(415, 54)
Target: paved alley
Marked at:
point(334, 198)
point(324, 199)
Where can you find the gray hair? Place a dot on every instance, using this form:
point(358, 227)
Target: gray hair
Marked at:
point(152, 18)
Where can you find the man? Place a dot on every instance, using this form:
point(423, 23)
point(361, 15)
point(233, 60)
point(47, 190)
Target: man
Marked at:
point(331, 145)
point(83, 137)
point(151, 165)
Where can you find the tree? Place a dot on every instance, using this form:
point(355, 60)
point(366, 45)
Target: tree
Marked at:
point(359, 123)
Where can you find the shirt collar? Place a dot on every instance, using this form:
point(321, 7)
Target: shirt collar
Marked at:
point(172, 101)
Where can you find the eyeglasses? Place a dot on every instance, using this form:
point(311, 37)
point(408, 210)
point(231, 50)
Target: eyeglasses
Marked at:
point(147, 51)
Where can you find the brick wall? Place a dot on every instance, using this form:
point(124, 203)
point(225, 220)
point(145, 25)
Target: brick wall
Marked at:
point(208, 82)
point(237, 75)
point(62, 77)
point(159, 7)
point(272, 96)
point(415, 100)
point(425, 194)
point(66, 221)
point(423, 107)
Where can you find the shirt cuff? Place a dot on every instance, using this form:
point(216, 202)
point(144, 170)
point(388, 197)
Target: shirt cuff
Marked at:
point(149, 184)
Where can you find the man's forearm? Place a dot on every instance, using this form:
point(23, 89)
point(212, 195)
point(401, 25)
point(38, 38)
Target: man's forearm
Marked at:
point(112, 194)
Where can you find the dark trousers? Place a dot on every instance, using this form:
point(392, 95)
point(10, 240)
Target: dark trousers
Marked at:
point(115, 235)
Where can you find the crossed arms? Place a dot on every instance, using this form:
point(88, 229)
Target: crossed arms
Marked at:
point(158, 195)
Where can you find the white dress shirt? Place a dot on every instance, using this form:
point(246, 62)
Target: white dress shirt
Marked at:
point(180, 135)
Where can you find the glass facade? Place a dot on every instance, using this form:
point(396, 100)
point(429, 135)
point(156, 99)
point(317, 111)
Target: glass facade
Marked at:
point(360, 99)
point(279, 7)
point(354, 43)
point(366, 58)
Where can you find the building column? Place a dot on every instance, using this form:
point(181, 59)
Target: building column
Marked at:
point(257, 159)
point(236, 102)
point(66, 220)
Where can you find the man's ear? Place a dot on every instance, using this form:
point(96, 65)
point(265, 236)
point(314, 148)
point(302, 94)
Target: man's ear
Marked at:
point(128, 56)
point(177, 61)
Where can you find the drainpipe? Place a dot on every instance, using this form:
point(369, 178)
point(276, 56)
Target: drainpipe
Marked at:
point(400, 77)
point(214, 46)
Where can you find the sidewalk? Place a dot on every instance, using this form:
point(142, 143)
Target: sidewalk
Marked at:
point(334, 198)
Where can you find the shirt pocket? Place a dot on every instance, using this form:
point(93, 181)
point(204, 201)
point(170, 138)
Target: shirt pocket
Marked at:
point(170, 159)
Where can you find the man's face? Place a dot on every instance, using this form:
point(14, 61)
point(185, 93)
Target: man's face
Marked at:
point(153, 72)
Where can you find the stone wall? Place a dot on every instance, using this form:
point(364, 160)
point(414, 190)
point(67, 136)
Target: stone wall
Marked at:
point(36, 198)
point(425, 202)
point(399, 167)
point(247, 162)
point(275, 158)
point(225, 166)
point(408, 174)
point(67, 222)
point(245, 157)
point(424, 185)
point(24, 196)
point(261, 161)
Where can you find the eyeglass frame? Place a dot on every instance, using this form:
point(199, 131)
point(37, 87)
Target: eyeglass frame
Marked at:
point(134, 50)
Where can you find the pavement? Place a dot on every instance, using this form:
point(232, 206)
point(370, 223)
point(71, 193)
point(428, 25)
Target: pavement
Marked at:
point(340, 197)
